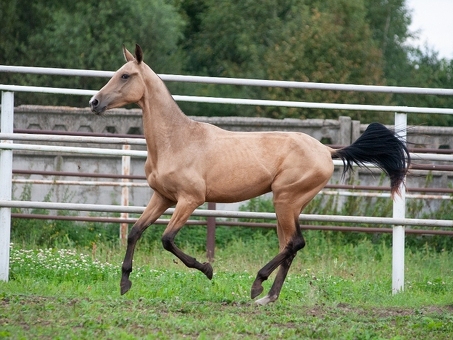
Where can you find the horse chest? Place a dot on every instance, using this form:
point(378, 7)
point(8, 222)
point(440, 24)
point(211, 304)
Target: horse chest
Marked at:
point(168, 182)
point(157, 179)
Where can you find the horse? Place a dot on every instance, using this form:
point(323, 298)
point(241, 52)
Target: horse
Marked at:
point(189, 163)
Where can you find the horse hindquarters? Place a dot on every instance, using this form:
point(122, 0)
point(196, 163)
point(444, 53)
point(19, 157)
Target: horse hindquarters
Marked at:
point(291, 195)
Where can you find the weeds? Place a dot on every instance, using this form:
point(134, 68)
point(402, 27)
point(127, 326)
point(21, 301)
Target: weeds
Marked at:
point(331, 292)
point(57, 265)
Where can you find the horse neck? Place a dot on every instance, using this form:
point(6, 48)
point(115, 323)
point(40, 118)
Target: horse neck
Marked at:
point(164, 124)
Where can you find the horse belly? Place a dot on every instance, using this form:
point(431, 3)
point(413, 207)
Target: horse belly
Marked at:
point(246, 168)
point(237, 185)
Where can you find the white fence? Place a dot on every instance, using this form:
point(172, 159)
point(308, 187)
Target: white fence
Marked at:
point(7, 147)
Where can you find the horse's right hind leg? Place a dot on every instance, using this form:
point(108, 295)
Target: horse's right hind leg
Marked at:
point(291, 241)
point(155, 208)
point(274, 292)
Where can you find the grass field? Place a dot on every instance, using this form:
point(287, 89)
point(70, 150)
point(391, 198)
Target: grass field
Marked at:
point(332, 292)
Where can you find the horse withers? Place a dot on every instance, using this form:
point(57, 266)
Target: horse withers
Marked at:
point(190, 163)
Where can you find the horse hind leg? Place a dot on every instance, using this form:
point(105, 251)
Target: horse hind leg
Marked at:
point(155, 208)
point(289, 200)
point(274, 292)
point(291, 241)
point(177, 221)
point(266, 271)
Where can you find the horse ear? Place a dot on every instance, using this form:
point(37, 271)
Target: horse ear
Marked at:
point(127, 55)
point(138, 53)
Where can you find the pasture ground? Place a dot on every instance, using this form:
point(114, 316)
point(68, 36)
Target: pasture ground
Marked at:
point(332, 292)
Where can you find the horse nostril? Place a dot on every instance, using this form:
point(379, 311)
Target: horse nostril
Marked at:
point(94, 102)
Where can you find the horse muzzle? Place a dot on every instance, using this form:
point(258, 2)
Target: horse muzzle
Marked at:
point(96, 106)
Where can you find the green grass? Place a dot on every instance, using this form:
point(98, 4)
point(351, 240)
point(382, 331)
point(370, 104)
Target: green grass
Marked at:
point(332, 292)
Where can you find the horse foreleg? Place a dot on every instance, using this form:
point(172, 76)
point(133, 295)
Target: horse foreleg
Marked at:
point(155, 208)
point(177, 221)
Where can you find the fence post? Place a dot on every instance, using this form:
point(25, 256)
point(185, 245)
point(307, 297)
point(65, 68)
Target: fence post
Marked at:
point(344, 137)
point(399, 211)
point(125, 171)
point(6, 174)
point(210, 234)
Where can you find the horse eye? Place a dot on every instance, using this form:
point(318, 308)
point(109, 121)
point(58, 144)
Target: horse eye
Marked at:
point(125, 76)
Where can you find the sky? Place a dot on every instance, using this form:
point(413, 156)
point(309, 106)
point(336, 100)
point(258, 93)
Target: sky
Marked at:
point(433, 19)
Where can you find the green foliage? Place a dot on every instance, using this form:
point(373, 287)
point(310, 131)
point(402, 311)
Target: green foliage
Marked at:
point(89, 35)
point(94, 32)
point(57, 233)
point(61, 233)
point(427, 70)
point(327, 41)
point(389, 21)
point(369, 206)
point(346, 41)
point(334, 46)
point(330, 293)
point(57, 265)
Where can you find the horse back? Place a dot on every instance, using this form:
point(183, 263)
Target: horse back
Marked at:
point(241, 165)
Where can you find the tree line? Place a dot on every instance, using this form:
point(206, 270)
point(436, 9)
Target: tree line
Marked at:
point(337, 41)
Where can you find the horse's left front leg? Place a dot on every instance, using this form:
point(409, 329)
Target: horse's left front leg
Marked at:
point(156, 207)
point(182, 212)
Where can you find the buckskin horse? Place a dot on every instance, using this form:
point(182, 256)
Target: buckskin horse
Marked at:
point(191, 162)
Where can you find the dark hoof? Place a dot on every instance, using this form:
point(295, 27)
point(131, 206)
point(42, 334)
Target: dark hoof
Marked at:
point(125, 285)
point(207, 270)
point(257, 289)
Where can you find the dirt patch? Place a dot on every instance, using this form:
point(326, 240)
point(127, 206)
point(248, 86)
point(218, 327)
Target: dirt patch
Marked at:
point(318, 311)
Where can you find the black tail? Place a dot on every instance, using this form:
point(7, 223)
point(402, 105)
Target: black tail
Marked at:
point(381, 147)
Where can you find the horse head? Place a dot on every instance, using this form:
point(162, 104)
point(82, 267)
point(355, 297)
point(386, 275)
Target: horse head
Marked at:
point(125, 87)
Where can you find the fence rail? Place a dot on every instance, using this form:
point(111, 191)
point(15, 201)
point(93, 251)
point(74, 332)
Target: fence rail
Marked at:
point(7, 147)
point(230, 223)
point(237, 81)
point(254, 102)
point(229, 214)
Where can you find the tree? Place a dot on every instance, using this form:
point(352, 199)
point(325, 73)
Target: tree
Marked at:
point(427, 70)
point(319, 41)
point(89, 35)
point(408, 66)
point(389, 21)
point(340, 41)
point(334, 46)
